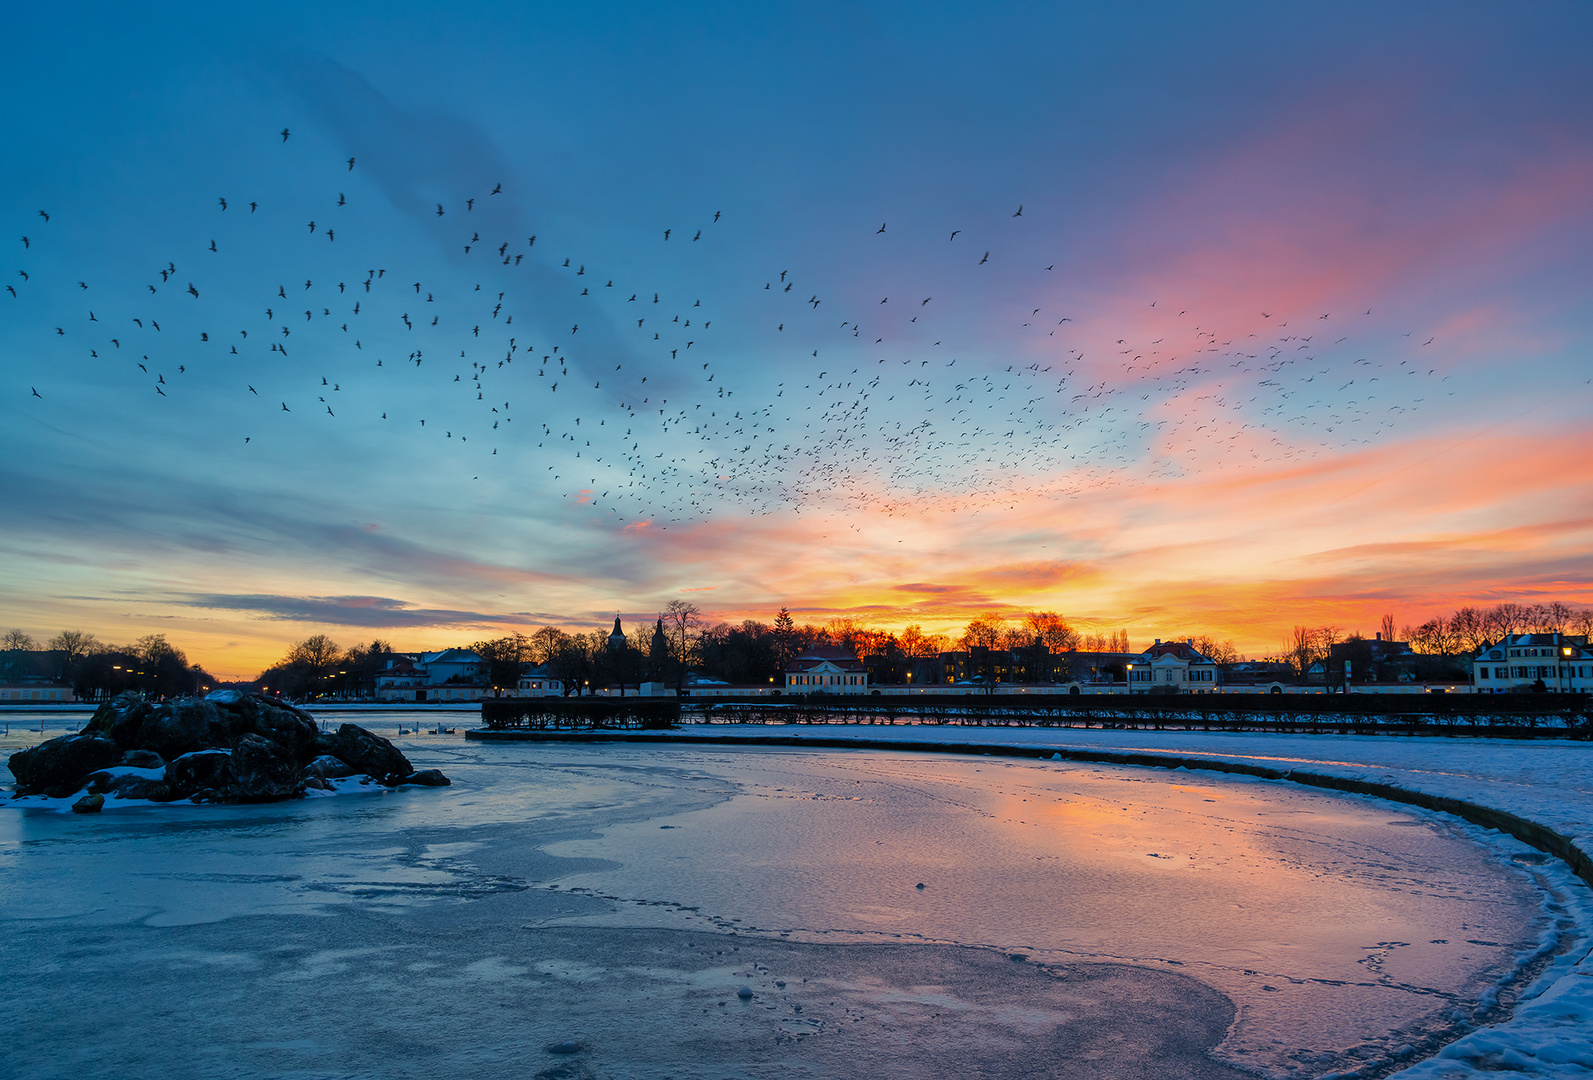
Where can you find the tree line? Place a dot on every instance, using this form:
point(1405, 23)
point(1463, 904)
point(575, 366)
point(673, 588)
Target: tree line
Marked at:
point(95, 669)
point(1444, 645)
point(751, 652)
point(681, 642)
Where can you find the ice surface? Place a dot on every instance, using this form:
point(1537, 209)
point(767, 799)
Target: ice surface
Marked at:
point(1549, 781)
point(563, 892)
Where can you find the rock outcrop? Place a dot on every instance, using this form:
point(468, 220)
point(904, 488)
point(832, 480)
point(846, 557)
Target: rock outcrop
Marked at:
point(58, 768)
point(228, 747)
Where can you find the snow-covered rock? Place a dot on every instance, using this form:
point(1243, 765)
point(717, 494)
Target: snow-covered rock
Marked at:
point(227, 747)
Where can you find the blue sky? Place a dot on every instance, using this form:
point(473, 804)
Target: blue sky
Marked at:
point(1099, 409)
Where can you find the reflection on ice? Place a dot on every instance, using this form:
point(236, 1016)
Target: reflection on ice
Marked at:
point(621, 895)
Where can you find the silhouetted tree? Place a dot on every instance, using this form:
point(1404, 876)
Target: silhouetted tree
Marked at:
point(503, 657)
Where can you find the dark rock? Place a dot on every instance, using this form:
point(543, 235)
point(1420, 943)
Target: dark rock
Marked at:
point(327, 767)
point(292, 729)
point(198, 771)
point(143, 759)
point(128, 786)
point(120, 718)
point(59, 767)
point(367, 752)
point(175, 728)
point(260, 771)
point(425, 778)
point(227, 747)
point(89, 804)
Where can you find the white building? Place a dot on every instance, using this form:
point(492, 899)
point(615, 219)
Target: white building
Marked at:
point(537, 681)
point(1519, 661)
point(826, 671)
point(1172, 665)
point(36, 692)
point(449, 675)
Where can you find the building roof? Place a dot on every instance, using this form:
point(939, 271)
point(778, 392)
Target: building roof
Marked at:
point(1557, 642)
point(809, 659)
point(1181, 650)
point(451, 656)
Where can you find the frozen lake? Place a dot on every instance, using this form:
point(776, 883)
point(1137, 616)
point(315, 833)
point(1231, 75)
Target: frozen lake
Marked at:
point(1167, 923)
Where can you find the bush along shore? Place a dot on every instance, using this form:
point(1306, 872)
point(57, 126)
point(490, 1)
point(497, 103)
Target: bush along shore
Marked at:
point(225, 748)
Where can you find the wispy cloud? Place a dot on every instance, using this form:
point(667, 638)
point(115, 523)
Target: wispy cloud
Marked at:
point(361, 611)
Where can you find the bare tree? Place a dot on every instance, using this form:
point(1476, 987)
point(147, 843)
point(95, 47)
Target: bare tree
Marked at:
point(76, 644)
point(17, 639)
point(1052, 629)
point(1221, 652)
point(1509, 618)
point(1555, 618)
point(682, 620)
point(1435, 637)
point(152, 647)
point(1467, 630)
point(1387, 628)
point(1298, 648)
point(984, 631)
point(317, 652)
point(844, 631)
point(545, 644)
point(1582, 622)
point(503, 657)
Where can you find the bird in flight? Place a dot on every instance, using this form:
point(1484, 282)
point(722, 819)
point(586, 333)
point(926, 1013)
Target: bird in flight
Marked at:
point(1019, 211)
point(880, 229)
point(284, 134)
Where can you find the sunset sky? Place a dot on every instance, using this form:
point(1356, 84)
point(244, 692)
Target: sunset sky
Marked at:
point(1178, 318)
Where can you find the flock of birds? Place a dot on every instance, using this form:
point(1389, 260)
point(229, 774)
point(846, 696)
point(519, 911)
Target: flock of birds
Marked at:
point(634, 398)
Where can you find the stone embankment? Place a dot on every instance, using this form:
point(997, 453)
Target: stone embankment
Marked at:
point(225, 748)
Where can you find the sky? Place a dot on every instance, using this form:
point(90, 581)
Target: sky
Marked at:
point(1178, 318)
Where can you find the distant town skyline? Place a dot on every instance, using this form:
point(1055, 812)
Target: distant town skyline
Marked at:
point(1216, 319)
